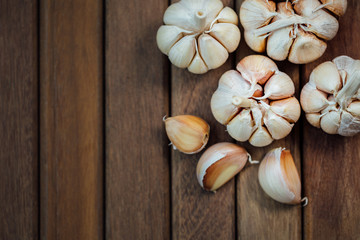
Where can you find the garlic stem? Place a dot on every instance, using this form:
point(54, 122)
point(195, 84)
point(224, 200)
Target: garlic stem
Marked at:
point(321, 6)
point(281, 23)
point(351, 86)
point(200, 19)
point(241, 102)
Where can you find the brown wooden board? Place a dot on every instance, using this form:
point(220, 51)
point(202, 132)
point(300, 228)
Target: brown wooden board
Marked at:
point(258, 216)
point(19, 202)
point(71, 95)
point(197, 214)
point(331, 165)
point(137, 164)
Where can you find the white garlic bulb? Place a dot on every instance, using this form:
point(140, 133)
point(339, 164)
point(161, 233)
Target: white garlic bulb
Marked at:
point(198, 34)
point(296, 30)
point(256, 102)
point(279, 177)
point(331, 97)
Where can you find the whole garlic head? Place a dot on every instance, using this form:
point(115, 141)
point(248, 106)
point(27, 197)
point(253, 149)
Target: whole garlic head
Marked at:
point(296, 30)
point(256, 102)
point(331, 98)
point(198, 34)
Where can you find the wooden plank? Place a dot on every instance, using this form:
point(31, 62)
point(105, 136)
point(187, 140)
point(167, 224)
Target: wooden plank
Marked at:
point(137, 165)
point(258, 216)
point(331, 163)
point(197, 214)
point(71, 79)
point(19, 201)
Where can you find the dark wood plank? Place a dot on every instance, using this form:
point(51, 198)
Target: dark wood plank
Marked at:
point(71, 78)
point(331, 163)
point(258, 216)
point(197, 214)
point(137, 165)
point(19, 201)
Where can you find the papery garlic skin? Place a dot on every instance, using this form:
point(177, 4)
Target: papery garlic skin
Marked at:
point(330, 98)
point(188, 134)
point(296, 30)
point(279, 178)
point(198, 34)
point(220, 163)
point(256, 102)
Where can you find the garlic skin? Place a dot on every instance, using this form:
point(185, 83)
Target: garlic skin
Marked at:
point(279, 177)
point(220, 163)
point(189, 134)
point(198, 35)
point(256, 102)
point(330, 98)
point(293, 30)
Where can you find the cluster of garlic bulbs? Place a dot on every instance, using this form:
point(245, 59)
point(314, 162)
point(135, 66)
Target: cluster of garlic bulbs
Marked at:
point(296, 30)
point(198, 34)
point(331, 98)
point(256, 102)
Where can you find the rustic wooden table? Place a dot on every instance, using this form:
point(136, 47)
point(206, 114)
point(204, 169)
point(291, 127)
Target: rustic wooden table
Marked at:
point(84, 155)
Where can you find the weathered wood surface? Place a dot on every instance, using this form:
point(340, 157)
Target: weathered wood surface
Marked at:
point(137, 97)
point(331, 163)
point(71, 119)
point(101, 166)
point(19, 175)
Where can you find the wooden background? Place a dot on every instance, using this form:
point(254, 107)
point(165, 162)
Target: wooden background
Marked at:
point(84, 155)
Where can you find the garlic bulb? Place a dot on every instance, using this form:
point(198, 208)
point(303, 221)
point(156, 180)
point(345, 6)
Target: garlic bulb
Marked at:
point(296, 30)
point(219, 164)
point(189, 134)
point(198, 34)
point(331, 97)
point(255, 102)
point(279, 178)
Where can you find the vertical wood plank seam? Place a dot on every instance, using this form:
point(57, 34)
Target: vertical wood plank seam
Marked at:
point(38, 114)
point(104, 4)
point(301, 143)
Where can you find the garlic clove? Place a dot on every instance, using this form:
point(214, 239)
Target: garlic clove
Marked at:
point(183, 52)
point(354, 108)
point(344, 63)
point(313, 119)
point(311, 99)
point(330, 122)
point(306, 7)
point(326, 77)
point(227, 34)
point(189, 134)
point(336, 6)
point(306, 48)
point(178, 15)
point(256, 68)
point(241, 126)
point(231, 84)
point(349, 125)
point(276, 125)
point(220, 163)
point(197, 65)
point(212, 52)
point(261, 137)
point(256, 43)
point(227, 15)
point(167, 36)
point(323, 25)
point(258, 91)
point(256, 13)
point(279, 177)
point(279, 86)
point(288, 108)
point(280, 41)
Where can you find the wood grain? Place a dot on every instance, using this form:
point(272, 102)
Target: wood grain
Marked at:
point(19, 202)
point(71, 78)
point(331, 163)
point(137, 165)
point(258, 216)
point(197, 214)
